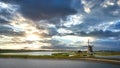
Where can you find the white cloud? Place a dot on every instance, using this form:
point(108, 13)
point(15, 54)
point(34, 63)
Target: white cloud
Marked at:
point(107, 3)
point(87, 10)
point(72, 20)
point(51, 26)
point(102, 26)
point(87, 5)
point(4, 18)
point(10, 8)
point(64, 31)
point(7, 11)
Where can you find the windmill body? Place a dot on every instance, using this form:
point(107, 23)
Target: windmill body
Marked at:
point(90, 48)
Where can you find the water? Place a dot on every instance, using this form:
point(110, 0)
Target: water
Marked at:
point(39, 63)
point(31, 53)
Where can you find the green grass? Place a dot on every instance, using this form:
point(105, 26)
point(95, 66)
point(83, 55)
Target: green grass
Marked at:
point(34, 57)
point(54, 55)
point(107, 53)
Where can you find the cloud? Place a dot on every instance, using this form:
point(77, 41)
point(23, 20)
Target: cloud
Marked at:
point(115, 27)
point(44, 9)
point(64, 31)
point(55, 44)
point(98, 19)
point(7, 11)
point(7, 30)
point(106, 44)
point(2, 21)
point(101, 34)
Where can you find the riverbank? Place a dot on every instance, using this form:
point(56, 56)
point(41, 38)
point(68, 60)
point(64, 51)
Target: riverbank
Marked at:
point(113, 61)
point(95, 59)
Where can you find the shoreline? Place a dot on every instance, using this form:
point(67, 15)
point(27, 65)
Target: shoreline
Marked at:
point(112, 61)
point(94, 59)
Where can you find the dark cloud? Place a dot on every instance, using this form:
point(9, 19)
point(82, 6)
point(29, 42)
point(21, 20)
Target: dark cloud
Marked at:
point(52, 31)
point(95, 34)
point(100, 34)
point(4, 30)
point(2, 21)
point(115, 26)
point(97, 15)
point(44, 9)
point(7, 12)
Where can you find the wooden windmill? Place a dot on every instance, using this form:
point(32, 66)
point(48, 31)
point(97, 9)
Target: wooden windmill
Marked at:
point(90, 48)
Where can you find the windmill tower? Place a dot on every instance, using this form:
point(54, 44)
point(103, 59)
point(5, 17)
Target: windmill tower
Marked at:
point(90, 48)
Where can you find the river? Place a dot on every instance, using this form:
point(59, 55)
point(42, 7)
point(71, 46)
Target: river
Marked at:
point(30, 53)
point(42, 63)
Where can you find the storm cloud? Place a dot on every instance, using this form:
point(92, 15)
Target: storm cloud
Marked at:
point(7, 30)
point(44, 9)
point(99, 19)
point(101, 34)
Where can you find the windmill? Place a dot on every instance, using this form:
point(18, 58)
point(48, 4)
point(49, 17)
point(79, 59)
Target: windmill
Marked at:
point(89, 48)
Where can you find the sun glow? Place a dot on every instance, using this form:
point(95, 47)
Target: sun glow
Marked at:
point(31, 32)
point(32, 37)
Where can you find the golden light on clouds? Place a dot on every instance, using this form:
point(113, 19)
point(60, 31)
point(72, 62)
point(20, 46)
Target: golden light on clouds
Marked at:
point(31, 39)
point(32, 33)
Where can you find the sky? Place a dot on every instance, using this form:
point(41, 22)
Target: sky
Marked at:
point(59, 24)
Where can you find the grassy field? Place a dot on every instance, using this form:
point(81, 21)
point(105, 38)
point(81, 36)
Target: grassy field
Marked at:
point(107, 53)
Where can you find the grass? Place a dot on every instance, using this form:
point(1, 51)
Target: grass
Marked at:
point(34, 56)
point(107, 53)
point(54, 55)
